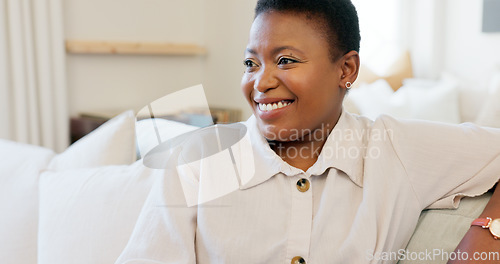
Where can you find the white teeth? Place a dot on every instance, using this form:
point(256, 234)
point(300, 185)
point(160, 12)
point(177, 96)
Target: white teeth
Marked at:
point(273, 106)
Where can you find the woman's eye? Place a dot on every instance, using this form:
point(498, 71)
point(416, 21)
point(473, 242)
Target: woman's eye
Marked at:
point(249, 63)
point(283, 61)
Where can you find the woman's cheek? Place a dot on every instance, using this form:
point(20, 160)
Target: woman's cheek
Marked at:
point(246, 88)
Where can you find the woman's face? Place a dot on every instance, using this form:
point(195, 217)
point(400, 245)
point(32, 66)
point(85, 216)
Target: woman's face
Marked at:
point(290, 80)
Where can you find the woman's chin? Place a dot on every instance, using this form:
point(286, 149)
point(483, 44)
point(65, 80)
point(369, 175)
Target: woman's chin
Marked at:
point(278, 133)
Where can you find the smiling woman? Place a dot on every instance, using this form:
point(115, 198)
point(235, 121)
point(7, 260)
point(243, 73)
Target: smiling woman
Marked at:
point(290, 61)
point(314, 183)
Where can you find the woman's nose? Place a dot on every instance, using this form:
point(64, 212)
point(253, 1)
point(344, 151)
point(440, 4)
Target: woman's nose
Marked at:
point(265, 80)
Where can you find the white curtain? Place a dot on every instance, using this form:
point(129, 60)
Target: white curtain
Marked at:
point(33, 103)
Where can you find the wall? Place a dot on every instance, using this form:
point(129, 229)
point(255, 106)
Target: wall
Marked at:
point(469, 53)
point(228, 24)
point(117, 82)
point(424, 36)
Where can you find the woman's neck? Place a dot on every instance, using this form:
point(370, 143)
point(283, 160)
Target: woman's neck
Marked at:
point(302, 153)
point(299, 154)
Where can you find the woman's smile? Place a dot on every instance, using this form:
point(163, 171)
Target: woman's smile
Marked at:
point(273, 106)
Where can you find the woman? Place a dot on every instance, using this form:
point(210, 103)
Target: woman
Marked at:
point(326, 186)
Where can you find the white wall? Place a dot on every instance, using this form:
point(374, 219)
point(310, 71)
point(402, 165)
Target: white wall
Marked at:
point(469, 53)
point(119, 82)
point(424, 36)
point(228, 24)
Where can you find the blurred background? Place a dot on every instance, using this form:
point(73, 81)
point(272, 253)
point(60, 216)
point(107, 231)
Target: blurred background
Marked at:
point(63, 59)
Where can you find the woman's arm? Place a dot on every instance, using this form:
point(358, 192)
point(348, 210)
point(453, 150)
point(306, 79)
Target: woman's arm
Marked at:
point(479, 242)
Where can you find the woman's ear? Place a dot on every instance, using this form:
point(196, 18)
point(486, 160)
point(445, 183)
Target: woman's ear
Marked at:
point(350, 67)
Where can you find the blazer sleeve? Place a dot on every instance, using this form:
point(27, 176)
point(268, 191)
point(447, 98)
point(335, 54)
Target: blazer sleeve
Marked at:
point(445, 162)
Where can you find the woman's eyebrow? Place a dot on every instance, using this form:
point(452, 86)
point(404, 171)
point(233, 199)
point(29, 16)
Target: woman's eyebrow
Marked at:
point(251, 51)
point(275, 50)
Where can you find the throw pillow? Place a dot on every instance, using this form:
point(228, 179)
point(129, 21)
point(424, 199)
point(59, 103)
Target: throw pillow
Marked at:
point(400, 70)
point(87, 215)
point(113, 143)
point(19, 169)
point(417, 99)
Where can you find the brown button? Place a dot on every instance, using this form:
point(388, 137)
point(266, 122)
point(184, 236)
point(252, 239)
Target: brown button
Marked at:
point(303, 185)
point(298, 260)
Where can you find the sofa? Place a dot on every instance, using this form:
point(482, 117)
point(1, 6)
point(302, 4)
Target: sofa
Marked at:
point(81, 205)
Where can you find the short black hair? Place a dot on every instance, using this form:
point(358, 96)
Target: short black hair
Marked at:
point(338, 18)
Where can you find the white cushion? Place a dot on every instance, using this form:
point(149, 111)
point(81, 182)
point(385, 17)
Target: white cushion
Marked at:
point(19, 169)
point(147, 137)
point(113, 143)
point(490, 112)
point(87, 215)
point(417, 99)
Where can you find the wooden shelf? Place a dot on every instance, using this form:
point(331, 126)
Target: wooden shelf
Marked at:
point(137, 48)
